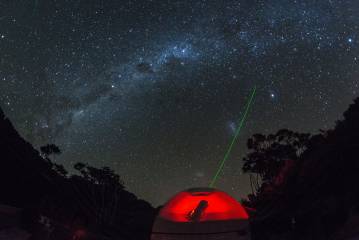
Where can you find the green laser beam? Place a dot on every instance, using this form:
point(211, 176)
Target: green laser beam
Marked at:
point(248, 105)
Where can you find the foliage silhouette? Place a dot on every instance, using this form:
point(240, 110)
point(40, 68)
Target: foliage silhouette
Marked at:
point(50, 149)
point(268, 154)
point(320, 189)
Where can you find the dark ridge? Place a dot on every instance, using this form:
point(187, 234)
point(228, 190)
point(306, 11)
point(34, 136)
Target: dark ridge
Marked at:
point(318, 195)
point(24, 175)
point(94, 201)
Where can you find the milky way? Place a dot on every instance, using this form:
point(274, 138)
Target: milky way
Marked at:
point(154, 89)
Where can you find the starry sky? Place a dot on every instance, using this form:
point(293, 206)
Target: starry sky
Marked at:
point(154, 89)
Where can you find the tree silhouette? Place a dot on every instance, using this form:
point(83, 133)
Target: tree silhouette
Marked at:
point(100, 176)
point(50, 149)
point(267, 154)
point(321, 191)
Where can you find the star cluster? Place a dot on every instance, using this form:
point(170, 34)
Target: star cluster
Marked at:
point(154, 89)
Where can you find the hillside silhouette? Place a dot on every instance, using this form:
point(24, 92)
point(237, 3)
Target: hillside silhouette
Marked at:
point(306, 186)
point(56, 205)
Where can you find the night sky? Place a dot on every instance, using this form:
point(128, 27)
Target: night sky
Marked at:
point(154, 89)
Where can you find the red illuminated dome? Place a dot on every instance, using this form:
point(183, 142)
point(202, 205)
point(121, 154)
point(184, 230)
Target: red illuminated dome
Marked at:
point(201, 213)
point(210, 204)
